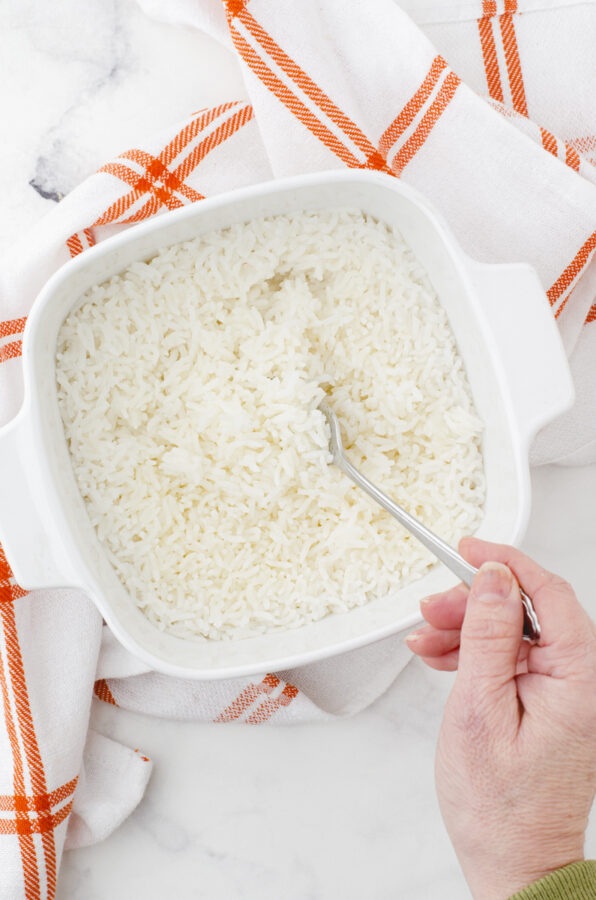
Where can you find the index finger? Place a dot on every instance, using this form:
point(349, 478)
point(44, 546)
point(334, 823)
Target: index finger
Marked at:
point(558, 609)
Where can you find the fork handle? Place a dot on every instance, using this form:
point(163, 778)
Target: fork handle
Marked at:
point(443, 551)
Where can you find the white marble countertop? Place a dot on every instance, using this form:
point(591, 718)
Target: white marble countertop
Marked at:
point(342, 810)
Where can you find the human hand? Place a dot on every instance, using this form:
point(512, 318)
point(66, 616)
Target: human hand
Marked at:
point(516, 757)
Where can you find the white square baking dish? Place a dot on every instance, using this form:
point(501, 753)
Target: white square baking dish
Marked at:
point(506, 336)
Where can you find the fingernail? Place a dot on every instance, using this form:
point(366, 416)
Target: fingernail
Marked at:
point(412, 638)
point(494, 580)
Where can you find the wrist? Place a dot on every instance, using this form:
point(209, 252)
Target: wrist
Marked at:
point(505, 874)
point(495, 885)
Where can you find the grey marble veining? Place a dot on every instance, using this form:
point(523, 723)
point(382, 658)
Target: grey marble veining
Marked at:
point(100, 57)
point(84, 81)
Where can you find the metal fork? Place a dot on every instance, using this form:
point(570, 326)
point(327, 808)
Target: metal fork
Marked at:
point(450, 557)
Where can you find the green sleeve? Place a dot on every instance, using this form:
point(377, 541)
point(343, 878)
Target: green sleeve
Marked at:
point(574, 882)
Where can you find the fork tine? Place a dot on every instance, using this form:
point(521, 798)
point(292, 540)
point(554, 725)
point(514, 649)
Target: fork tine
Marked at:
point(335, 443)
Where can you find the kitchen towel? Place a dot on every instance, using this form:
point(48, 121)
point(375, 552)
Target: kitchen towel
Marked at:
point(487, 108)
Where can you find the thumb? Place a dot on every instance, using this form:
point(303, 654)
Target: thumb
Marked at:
point(491, 633)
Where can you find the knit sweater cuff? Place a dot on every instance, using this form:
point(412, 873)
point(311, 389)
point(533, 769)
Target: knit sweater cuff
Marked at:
point(574, 882)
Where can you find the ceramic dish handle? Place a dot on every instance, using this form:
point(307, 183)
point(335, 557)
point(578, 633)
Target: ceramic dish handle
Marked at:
point(522, 323)
point(32, 551)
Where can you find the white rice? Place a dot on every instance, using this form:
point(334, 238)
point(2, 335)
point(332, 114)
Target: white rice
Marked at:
point(189, 385)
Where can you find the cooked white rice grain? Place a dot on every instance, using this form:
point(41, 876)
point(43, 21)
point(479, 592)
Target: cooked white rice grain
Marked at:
point(189, 386)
